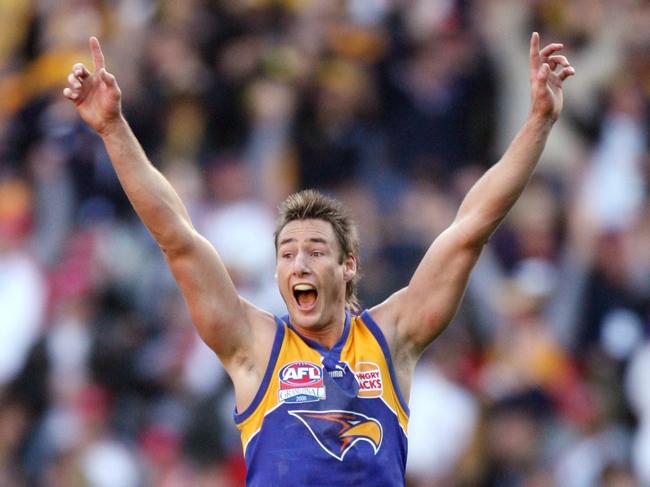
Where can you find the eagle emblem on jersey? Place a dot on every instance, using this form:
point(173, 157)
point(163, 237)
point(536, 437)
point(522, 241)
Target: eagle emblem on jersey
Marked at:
point(338, 431)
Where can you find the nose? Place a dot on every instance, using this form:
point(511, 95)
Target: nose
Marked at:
point(300, 267)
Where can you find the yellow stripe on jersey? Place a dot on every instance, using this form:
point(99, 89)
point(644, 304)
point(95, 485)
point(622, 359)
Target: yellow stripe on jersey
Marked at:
point(364, 355)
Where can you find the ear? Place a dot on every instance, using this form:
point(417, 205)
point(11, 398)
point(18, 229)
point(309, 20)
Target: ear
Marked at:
point(350, 268)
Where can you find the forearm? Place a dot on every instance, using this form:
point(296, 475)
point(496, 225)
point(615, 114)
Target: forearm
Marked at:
point(492, 196)
point(151, 195)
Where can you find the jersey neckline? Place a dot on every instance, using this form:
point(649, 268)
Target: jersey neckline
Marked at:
point(333, 353)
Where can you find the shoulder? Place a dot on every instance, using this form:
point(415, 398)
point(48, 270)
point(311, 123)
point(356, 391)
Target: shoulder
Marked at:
point(249, 364)
point(252, 358)
point(263, 325)
point(403, 355)
point(386, 316)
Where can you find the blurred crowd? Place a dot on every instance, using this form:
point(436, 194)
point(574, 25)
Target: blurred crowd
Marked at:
point(393, 106)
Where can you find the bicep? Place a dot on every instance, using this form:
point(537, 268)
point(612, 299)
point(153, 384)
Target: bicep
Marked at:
point(435, 291)
point(216, 309)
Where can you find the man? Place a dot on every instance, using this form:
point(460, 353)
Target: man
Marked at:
point(320, 394)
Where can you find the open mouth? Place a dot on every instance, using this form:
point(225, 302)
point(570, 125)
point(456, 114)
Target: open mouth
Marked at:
point(305, 295)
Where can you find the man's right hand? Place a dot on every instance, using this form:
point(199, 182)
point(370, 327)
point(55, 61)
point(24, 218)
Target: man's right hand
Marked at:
point(96, 95)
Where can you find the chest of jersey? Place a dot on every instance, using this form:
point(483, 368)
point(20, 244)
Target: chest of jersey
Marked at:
point(327, 417)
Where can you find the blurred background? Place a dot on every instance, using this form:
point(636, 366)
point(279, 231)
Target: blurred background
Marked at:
point(393, 106)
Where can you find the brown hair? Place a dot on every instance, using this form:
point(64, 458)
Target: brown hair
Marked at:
point(311, 204)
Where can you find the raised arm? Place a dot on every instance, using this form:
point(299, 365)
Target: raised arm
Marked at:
point(416, 315)
point(222, 319)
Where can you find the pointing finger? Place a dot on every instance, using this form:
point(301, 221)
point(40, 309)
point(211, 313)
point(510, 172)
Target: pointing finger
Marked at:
point(98, 55)
point(534, 51)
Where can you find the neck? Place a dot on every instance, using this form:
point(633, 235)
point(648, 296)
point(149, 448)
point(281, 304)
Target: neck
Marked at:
point(326, 334)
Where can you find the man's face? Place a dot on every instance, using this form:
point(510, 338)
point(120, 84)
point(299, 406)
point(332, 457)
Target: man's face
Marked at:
point(311, 277)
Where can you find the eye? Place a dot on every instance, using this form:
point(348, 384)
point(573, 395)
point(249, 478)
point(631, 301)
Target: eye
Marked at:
point(317, 253)
point(287, 255)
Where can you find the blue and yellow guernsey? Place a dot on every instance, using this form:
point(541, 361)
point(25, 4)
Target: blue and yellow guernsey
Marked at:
point(327, 417)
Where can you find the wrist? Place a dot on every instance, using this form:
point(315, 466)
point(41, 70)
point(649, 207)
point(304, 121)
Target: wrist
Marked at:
point(540, 121)
point(112, 127)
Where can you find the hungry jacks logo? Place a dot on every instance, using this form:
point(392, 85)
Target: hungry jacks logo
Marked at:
point(369, 378)
point(338, 431)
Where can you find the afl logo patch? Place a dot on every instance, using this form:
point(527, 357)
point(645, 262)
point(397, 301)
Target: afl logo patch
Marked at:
point(301, 382)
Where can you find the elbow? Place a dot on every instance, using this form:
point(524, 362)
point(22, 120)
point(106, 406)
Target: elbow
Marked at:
point(176, 242)
point(474, 233)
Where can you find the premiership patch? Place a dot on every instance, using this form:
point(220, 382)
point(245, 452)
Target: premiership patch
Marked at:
point(301, 382)
point(369, 378)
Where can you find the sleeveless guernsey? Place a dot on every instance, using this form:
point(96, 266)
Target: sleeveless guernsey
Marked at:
point(327, 417)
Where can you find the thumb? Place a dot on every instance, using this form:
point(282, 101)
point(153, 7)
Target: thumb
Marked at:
point(542, 75)
point(106, 77)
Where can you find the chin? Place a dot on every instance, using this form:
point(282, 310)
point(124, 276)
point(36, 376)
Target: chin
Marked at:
point(307, 318)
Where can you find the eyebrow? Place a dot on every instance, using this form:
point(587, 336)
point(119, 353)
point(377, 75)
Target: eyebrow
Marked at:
point(312, 240)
